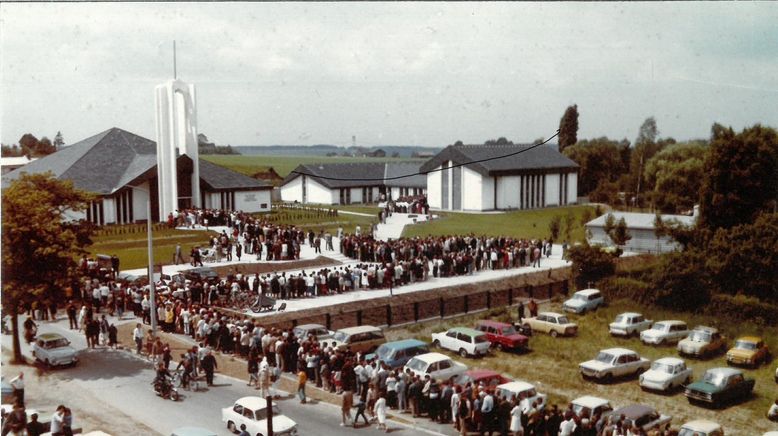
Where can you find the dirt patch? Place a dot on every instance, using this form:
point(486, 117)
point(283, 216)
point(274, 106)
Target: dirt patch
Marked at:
point(266, 267)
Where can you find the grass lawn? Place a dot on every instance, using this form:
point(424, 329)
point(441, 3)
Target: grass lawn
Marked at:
point(525, 223)
point(285, 164)
point(372, 210)
point(552, 365)
point(132, 247)
point(308, 220)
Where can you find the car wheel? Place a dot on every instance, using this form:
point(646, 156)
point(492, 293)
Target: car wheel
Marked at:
point(607, 378)
point(661, 343)
point(436, 343)
point(554, 333)
point(463, 352)
point(231, 427)
point(47, 364)
point(500, 347)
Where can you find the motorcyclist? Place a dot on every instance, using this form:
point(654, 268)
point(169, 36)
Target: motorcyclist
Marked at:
point(162, 380)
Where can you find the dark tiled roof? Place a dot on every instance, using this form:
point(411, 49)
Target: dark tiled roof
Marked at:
point(544, 157)
point(397, 169)
point(217, 177)
point(108, 161)
point(358, 171)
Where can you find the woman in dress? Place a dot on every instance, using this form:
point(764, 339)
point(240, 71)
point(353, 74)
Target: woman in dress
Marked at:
point(516, 428)
point(380, 412)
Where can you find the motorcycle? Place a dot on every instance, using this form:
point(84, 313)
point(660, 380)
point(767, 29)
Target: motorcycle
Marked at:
point(165, 388)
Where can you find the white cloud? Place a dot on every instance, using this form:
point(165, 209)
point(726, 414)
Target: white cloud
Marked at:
point(426, 73)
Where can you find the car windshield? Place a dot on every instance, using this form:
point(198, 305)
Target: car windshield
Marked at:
point(416, 365)
point(340, 337)
point(621, 319)
point(714, 378)
point(659, 326)
point(745, 345)
point(604, 358)
point(62, 342)
point(508, 331)
point(383, 352)
point(262, 413)
point(528, 393)
point(700, 336)
point(562, 320)
point(481, 339)
point(580, 297)
point(686, 431)
point(662, 367)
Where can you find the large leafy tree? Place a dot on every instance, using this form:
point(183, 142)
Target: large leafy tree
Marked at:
point(590, 264)
point(40, 244)
point(600, 161)
point(744, 259)
point(673, 177)
point(568, 127)
point(740, 176)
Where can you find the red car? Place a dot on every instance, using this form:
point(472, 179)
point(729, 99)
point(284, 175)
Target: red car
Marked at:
point(503, 335)
point(488, 377)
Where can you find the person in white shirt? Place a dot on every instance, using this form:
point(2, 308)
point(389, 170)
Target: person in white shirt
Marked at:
point(137, 336)
point(567, 427)
point(57, 420)
point(17, 383)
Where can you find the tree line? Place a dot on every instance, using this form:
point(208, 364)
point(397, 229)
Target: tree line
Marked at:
point(31, 146)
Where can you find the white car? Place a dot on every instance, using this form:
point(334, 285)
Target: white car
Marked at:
point(525, 392)
point(318, 330)
point(629, 324)
point(584, 301)
point(701, 427)
point(612, 363)
point(54, 349)
point(462, 340)
point(665, 332)
point(590, 406)
point(252, 411)
point(436, 365)
point(666, 374)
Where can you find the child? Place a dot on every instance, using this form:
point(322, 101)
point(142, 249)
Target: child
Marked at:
point(302, 378)
point(380, 411)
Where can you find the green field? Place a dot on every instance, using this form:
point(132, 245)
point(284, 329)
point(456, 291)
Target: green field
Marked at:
point(131, 248)
point(524, 224)
point(552, 364)
point(285, 164)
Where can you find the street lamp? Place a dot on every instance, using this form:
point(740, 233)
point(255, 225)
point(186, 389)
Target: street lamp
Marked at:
point(152, 290)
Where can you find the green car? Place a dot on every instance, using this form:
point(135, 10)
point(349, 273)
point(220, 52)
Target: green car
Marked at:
point(719, 386)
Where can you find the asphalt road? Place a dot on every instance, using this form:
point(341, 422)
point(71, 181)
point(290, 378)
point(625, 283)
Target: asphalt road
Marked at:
point(122, 382)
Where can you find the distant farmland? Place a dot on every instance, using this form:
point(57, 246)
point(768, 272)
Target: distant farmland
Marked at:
point(285, 164)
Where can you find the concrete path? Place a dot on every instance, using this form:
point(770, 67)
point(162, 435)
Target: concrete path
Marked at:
point(395, 224)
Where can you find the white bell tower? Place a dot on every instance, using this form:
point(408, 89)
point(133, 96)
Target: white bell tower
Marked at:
point(176, 111)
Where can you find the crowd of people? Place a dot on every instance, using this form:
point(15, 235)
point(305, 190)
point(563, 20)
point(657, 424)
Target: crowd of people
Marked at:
point(17, 422)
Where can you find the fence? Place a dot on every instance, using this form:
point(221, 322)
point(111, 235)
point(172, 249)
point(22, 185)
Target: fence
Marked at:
point(128, 229)
point(423, 307)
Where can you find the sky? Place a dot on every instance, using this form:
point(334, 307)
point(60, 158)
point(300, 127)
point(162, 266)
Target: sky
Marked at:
point(389, 73)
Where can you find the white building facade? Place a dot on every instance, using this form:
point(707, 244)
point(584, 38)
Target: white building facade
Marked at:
point(539, 177)
point(641, 228)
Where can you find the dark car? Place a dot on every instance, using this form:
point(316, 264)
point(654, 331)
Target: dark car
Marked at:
point(719, 386)
point(201, 274)
point(645, 417)
point(502, 335)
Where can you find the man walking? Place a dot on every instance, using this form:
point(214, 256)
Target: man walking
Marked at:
point(137, 335)
point(209, 366)
point(520, 311)
point(71, 310)
point(17, 383)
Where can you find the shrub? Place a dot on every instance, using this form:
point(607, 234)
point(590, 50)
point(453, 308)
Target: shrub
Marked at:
point(617, 288)
point(744, 308)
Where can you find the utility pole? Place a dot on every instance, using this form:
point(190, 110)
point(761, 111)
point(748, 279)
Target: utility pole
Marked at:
point(175, 74)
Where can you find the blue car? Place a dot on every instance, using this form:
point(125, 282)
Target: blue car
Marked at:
point(396, 354)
